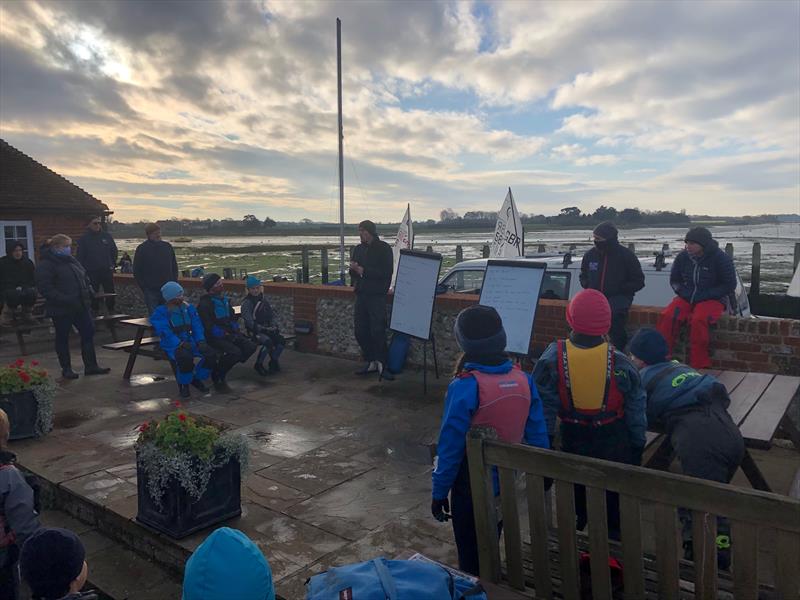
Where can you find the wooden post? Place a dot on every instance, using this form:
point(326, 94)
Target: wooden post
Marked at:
point(572, 247)
point(485, 251)
point(755, 271)
point(305, 263)
point(632, 247)
point(429, 249)
point(459, 253)
point(298, 276)
point(324, 259)
point(729, 249)
point(796, 260)
point(541, 248)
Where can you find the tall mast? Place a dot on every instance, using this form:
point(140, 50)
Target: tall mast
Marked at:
point(341, 147)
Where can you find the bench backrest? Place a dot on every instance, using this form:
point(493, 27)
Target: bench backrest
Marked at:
point(749, 512)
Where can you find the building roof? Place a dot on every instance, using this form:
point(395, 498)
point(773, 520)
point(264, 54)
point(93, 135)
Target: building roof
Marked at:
point(30, 186)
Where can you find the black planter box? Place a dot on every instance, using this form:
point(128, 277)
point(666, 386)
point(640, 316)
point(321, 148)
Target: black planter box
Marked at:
point(180, 515)
point(22, 410)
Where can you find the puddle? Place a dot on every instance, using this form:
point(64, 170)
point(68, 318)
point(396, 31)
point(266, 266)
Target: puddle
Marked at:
point(152, 405)
point(67, 419)
point(146, 379)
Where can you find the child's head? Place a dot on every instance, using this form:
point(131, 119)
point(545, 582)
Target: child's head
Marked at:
point(172, 292)
point(479, 331)
point(5, 430)
point(588, 313)
point(648, 347)
point(254, 285)
point(213, 283)
point(53, 563)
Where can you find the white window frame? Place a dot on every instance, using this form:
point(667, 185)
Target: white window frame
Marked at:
point(29, 225)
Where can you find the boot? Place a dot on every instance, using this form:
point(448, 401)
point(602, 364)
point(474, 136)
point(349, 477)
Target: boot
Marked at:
point(7, 317)
point(222, 386)
point(259, 367)
point(199, 385)
point(183, 390)
point(66, 365)
point(274, 366)
point(68, 373)
point(90, 366)
point(370, 367)
point(384, 373)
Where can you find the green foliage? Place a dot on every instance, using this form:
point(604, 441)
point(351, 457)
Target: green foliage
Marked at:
point(19, 376)
point(180, 433)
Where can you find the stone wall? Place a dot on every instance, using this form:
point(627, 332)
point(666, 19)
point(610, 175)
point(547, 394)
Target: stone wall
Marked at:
point(764, 345)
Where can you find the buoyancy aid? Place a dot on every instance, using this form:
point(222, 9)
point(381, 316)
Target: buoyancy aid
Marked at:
point(587, 386)
point(504, 402)
point(222, 310)
point(179, 321)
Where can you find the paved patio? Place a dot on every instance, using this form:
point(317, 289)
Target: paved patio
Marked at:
point(339, 472)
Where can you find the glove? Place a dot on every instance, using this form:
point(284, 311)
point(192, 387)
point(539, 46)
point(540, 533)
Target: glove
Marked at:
point(440, 509)
point(636, 455)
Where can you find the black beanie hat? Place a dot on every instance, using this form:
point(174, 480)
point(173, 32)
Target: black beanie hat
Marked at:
point(369, 226)
point(50, 560)
point(699, 235)
point(479, 331)
point(649, 345)
point(12, 245)
point(607, 230)
point(210, 281)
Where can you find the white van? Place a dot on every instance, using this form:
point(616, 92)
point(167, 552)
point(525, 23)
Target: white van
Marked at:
point(561, 280)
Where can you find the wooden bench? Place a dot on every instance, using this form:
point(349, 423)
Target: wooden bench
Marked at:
point(553, 562)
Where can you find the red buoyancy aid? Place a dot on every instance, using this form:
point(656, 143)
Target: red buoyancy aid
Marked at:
point(610, 409)
point(504, 402)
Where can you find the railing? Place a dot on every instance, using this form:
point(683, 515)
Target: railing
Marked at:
point(749, 512)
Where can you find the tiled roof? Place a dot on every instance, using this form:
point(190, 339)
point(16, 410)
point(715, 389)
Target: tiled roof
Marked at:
point(29, 185)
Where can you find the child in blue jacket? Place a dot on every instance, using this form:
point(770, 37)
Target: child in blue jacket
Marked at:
point(488, 389)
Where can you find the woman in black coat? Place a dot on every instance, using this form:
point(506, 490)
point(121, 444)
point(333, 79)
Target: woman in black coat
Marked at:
point(68, 296)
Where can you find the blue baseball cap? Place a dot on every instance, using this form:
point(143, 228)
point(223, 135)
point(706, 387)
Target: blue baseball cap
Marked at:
point(252, 281)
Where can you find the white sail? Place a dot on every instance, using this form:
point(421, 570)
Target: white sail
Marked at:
point(794, 286)
point(508, 232)
point(404, 239)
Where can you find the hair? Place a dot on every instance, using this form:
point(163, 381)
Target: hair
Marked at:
point(460, 361)
point(5, 429)
point(93, 217)
point(59, 240)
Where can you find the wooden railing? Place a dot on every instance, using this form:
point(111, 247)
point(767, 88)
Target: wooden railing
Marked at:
point(748, 511)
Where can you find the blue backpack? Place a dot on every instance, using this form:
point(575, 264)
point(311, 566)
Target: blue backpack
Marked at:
point(398, 350)
point(382, 579)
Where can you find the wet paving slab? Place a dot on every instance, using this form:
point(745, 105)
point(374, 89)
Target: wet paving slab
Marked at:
point(315, 471)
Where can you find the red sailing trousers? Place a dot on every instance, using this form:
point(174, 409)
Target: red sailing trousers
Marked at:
point(699, 316)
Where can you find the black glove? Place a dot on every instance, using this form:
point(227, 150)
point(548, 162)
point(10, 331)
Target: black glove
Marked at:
point(636, 455)
point(440, 509)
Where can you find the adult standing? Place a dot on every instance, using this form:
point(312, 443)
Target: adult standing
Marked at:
point(703, 278)
point(154, 264)
point(615, 271)
point(97, 252)
point(371, 270)
point(17, 283)
point(68, 297)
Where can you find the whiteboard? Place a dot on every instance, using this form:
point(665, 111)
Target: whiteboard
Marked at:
point(512, 288)
point(414, 293)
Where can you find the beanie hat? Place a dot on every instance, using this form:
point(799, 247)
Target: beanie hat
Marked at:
point(649, 346)
point(171, 290)
point(607, 230)
point(589, 313)
point(227, 565)
point(210, 280)
point(368, 226)
point(150, 228)
point(699, 235)
point(50, 560)
point(12, 245)
point(252, 281)
point(479, 331)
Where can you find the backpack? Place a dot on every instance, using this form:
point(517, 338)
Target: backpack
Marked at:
point(398, 351)
point(382, 579)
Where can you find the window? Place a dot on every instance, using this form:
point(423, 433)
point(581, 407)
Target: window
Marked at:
point(555, 286)
point(464, 282)
point(18, 230)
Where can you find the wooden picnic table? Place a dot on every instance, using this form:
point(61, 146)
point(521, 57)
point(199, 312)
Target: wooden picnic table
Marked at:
point(759, 405)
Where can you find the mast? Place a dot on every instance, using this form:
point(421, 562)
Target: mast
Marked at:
point(341, 147)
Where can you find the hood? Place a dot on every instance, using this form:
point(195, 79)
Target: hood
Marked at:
point(490, 369)
point(227, 565)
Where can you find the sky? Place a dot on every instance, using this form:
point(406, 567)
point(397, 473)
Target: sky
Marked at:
point(221, 109)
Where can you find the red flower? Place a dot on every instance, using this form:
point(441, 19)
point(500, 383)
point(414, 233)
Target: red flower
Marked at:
point(144, 427)
point(24, 376)
point(19, 362)
point(35, 363)
point(182, 417)
point(178, 404)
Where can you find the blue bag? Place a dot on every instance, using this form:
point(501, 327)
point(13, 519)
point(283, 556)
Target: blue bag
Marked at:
point(382, 579)
point(398, 350)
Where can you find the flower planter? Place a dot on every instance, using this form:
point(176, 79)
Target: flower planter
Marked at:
point(180, 514)
point(22, 410)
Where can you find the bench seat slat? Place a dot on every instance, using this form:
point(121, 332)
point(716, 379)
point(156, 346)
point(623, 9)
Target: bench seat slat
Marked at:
point(759, 427)
point(598, 543)
point(747, 393)
point(537, 515)
point(744, 542)
point(667, 552)
point(704, 535)
point(511, 528)
point(148, 341)
point(568, 552)
point(631, 520)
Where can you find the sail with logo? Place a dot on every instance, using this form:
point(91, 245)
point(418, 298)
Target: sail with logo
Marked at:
point(404, 240)
point(508, 234)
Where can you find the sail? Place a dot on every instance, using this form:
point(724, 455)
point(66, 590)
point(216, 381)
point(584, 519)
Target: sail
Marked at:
point(404, 239)
point(794, 286)
point(508, 232)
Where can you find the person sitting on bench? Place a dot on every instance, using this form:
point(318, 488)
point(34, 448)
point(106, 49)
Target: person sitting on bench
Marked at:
point(488, 389)
point(692, 409)
point(596, 392)
point(259, 320)
point(222, 330)
point(17, 285)
point(182, 338)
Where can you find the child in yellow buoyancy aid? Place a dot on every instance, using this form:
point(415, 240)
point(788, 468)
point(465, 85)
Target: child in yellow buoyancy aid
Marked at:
point(596, 392)
point(488, 389)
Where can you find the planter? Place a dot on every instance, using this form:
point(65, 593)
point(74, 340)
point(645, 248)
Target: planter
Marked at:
point(22, 409)
point(180, 514)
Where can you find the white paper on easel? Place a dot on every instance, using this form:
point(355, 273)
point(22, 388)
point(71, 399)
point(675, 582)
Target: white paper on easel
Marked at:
point(414, 293)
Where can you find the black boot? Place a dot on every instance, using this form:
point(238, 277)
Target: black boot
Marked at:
point(183, 390)
point(384, 373)
point(90, 360)
point(68, 373)
point(274, 366)
point(259, 367)
point(196, 383)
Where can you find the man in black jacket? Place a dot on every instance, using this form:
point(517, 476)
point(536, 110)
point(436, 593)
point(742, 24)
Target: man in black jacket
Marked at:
point(17, 284)
point(371, 270)
point(615, 271)
point(97, 252)
point(154, 264)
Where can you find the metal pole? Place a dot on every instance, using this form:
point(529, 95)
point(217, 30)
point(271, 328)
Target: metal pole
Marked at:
point(341, 147)
point(755, 272)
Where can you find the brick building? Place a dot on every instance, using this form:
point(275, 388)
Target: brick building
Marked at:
point(37, 203)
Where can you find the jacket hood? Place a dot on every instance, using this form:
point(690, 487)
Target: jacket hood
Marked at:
point(227, 565)
point(504, 367)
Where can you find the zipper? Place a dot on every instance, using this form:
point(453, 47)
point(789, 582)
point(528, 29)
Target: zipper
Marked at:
point(696, 278)
point(603, 274)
